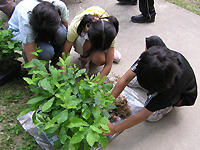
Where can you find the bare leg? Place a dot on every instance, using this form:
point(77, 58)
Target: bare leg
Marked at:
point(98, 57)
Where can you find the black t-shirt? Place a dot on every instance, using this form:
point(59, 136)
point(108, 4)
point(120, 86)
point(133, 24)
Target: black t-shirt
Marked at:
point(182, 93)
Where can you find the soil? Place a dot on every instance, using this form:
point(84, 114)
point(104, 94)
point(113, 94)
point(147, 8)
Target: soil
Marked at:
point(122, 109)
point(6, 67)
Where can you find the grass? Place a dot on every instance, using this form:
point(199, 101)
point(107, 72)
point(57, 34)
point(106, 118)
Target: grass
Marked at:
point(15, 93)
point(13, 97)
point(191, 5)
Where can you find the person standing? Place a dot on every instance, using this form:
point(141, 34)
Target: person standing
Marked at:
point(147, 10)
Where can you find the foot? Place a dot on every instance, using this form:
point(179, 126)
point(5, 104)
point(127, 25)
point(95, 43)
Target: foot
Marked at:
point(84, 63)
point(142, 19)
point(134, 83)
point(117, 56)
point(128, 2)
point(157, 115)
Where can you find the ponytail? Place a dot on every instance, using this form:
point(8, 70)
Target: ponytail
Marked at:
point(86, 19)
point(114, 21)
point(101, 33)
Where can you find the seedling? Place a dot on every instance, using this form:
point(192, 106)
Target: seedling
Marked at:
point(75, 112)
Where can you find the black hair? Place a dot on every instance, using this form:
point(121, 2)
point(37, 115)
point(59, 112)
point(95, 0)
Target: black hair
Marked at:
point(154, 41)
point(157, 69)
point(45, 20)
point(101, 33)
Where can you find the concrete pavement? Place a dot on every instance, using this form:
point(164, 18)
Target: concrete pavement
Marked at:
point(180, 30)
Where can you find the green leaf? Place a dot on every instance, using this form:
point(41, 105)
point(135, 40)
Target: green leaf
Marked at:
point(73, 102)
point(72, 81)
point(103, 120)
point(60, 96)
point(75, 89)
point(98, 102)
point(63, 116)
point(77, 137)
point(51, 128)
point(29, 64)
point(96, 129)
point(107, 87)
point(23, 112)
point(54, 119)
point(62, 135)
point(85, 112)
point(46, 85)
point(110, 106)
point(102, 79)
point(39, 64)
point(77, 122)
point(79, 73)
point(66, 146)
point(40, 117)
point(105, 113)
point(34, 53)
point(11, 45)
point(41, 129)
point(48, 104)
point(96, 112)
point(92, 137)
point(36, 100)
point(86, 145)
point(103, 141)
point(29, 81)
point(57, 144)
point(67, 94)
point(86, 87)
point(111, 98)
point(87, 100)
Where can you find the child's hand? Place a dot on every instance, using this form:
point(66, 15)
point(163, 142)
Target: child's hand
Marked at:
point(111, 128)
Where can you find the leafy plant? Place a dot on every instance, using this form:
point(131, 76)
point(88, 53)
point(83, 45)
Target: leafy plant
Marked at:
point(8, 50)
point(75, 112)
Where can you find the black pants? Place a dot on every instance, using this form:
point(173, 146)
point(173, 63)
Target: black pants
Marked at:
point(147, 8)
point(7, 6)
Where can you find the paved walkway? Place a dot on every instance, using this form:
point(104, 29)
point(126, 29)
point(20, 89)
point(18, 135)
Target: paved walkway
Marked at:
point(180, 30)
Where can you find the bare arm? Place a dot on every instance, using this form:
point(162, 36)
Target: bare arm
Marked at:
point(108, 63)
point(65, 24)
point(67, 47)
point(130, 122)
point(123, 82)
point(133, 120)
point(28, 48)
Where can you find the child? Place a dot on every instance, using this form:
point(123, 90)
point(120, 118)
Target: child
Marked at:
point(92, 32)
point(168, 78)
point(41, 23)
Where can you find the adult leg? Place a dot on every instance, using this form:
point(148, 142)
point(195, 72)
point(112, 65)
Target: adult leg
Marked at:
point(7, 6)
point(147, 12)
